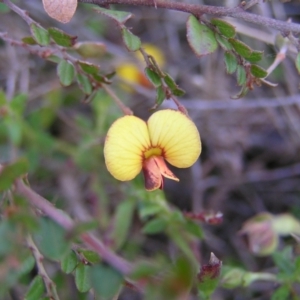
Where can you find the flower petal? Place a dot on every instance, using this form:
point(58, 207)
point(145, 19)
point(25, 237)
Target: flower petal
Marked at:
point(177, 135)
point(125, 142)
point(164, 170)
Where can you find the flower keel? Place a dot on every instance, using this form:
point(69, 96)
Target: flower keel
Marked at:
point(154, 169)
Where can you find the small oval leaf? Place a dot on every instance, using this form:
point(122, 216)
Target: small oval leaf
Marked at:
point(89, 68)
point(61, 38)
point(255, 56)
point(40, 34)
point(119, 16)
point(155, 226)
point(29, 40)
point(223, 42)
point(82, 278)
point(65, 72)
point(84, 84)
point(90, 49)
point(241, 48)
point(153, 77)
point(241, 75)
point(69, 262)
point(201, 38)
point(36, 289)
point(230, 62)
point(51, 239)
point(62, 11)
point(258, 71)
point(131, 41)
point(224, 27)
point(106, 281)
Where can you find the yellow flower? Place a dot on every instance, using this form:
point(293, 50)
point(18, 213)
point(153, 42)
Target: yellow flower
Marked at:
point(133, 145)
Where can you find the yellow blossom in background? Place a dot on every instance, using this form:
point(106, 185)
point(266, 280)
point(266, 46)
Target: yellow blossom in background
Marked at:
point(134, 73)
point(133, 145)
point(155, 52)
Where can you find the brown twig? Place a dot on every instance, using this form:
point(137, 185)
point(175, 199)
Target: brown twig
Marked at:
point(60, 217)
point(126, 110)
point(217, 11)
point(49, 284)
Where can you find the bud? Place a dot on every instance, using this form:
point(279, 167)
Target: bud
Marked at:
point(208, 276)
point(260, 235)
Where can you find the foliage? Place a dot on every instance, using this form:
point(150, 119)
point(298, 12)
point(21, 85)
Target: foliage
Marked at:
point(112, 239)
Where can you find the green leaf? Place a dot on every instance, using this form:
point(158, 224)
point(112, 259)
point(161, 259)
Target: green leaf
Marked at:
point(89, 68)
point(36, 289)
point(194, 229)
point(178, 92)
point(82, 278)
point(283, 260)
point(241, 48)
point(54, 58)
point(255, 56)
point(224, 27)
point(84, 84)
point(131, 41)
point(51, 239)
point(7, 236)
point(241, 75)
point(106, 281)
point(182, 243)
point(14, 129)
point(61, 38)
point(11, 172)
point(258, 71)
point(223, 42)
point(297, 62)
point(153, 77)
point(282, 293)
point(160, 96)
point(65, 72)
point(244, 90)
point(29, 40)
point(123, 220)
point(201, 38)
point(147, 209)
point(155, 226)
point(120, 16)
point(69, 262)
point(90, 49)
point(18, 103)
point(91, 256)
point(170, 82)
point(144, 270)
point(4, 8)
point(230, 62)
point(40, 34)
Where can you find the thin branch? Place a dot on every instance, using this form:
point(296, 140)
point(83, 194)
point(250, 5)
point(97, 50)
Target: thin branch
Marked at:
point(229, 105)
point(22, 13)
point(60, 217)
point(126, 110)
point(49, 284)
point(217, 11)
point(251, 3)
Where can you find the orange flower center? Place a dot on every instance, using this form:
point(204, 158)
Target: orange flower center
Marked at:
point(153, 152)
point(155, 168)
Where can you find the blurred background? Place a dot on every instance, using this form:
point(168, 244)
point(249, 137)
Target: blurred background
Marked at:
point(251, 146)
